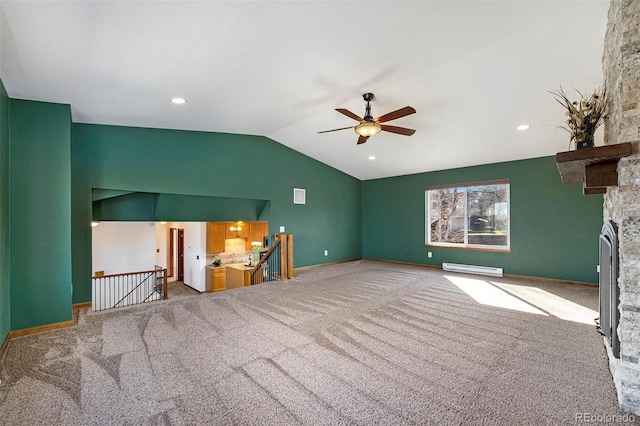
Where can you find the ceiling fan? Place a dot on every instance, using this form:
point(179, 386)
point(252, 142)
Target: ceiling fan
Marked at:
point(370, 126)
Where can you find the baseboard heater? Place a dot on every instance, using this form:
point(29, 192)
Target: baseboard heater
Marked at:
point(472, 269)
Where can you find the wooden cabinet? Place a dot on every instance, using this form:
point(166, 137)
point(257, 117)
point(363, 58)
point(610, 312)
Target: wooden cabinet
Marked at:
point(257, 232)
point(218, 231)
point(215, 237)
point(218, 279)
point(232, 232)
point(235, 277)
point(238, 276)
point(228, 233)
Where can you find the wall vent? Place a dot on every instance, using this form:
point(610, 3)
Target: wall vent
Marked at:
point(473, 269)
point(299, 196)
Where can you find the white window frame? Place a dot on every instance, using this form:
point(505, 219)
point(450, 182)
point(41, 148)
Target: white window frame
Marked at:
point(466, 244)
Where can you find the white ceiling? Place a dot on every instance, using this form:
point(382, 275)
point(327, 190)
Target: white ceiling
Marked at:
point(473, 70)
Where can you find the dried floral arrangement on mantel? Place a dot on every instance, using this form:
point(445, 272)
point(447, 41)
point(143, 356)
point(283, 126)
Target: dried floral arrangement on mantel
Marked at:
point(585, 115)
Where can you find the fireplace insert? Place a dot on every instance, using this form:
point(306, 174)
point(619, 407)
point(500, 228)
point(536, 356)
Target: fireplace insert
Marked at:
point(607, 323)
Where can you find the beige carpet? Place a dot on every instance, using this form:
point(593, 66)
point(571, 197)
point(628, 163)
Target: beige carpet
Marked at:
point(178, 290)
point(356, 343)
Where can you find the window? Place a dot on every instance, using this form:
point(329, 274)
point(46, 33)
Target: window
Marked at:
point(473, 215)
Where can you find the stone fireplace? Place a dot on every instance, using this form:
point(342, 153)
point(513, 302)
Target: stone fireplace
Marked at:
point(621, 68)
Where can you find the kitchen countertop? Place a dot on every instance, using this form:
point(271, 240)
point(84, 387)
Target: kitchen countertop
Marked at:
point(240, 266)
point(215, 267)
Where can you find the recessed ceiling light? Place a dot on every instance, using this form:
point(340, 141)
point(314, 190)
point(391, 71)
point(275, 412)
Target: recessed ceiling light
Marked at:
point(523, 127)
point(178, 101)
point(372, 157)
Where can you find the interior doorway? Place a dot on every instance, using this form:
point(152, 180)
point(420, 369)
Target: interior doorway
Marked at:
point(176, 253)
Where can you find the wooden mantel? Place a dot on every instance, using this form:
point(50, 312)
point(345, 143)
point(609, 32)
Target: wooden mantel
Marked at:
point(595, 167)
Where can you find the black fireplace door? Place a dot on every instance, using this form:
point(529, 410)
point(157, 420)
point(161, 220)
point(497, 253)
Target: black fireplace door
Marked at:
point(609, 290)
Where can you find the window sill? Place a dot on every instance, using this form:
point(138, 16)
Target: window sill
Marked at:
point(494, 250)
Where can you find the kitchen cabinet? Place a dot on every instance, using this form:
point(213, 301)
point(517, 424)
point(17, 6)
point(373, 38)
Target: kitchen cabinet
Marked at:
point(242, 233)
point(238, 276)
point(215, 237)
point(219, 279)
point(218, 231)
point(257, 232)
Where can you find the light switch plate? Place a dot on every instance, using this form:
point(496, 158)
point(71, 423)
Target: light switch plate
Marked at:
point(282, 229)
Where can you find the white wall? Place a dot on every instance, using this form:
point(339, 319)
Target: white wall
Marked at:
point(162, 245)
point(195, 254)
point(120, 247)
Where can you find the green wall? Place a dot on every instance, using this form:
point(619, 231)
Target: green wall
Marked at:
point(203, 164)
point(143, 206)
point(554, 228)
point(53, 165)
point(5, 302)
point(40, 213)
point(198, 209)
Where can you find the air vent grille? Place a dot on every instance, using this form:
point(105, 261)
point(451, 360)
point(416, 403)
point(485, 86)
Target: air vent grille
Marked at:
point(299, 196)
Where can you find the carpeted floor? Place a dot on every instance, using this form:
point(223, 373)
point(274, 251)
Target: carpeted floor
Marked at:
point(355, 343)
point(178, 290)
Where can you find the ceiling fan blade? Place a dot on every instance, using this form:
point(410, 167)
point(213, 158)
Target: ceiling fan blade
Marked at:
point(398, 130)
point(396, 114)
point(335, 130)
point(362, 139)
point(349, 114)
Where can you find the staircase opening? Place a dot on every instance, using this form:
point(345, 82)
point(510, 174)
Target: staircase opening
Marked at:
point(277, 263)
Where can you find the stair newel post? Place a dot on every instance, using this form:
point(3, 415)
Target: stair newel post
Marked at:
point(164, 284)
point(289, 256)
point(283, 256)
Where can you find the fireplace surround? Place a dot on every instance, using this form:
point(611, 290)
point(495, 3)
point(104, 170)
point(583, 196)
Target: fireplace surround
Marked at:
point(621, 70)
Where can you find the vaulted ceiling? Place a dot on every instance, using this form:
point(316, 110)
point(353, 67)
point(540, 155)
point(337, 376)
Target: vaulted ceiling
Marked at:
point(473, 70)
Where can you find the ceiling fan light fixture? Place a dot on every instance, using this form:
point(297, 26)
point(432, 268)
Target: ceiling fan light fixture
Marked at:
point(369, 128)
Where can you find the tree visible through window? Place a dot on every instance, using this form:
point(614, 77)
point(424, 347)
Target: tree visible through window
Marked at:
point(474, 215)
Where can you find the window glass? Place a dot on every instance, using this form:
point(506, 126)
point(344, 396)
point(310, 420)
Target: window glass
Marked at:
point(475, 215)
point(447, 215)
